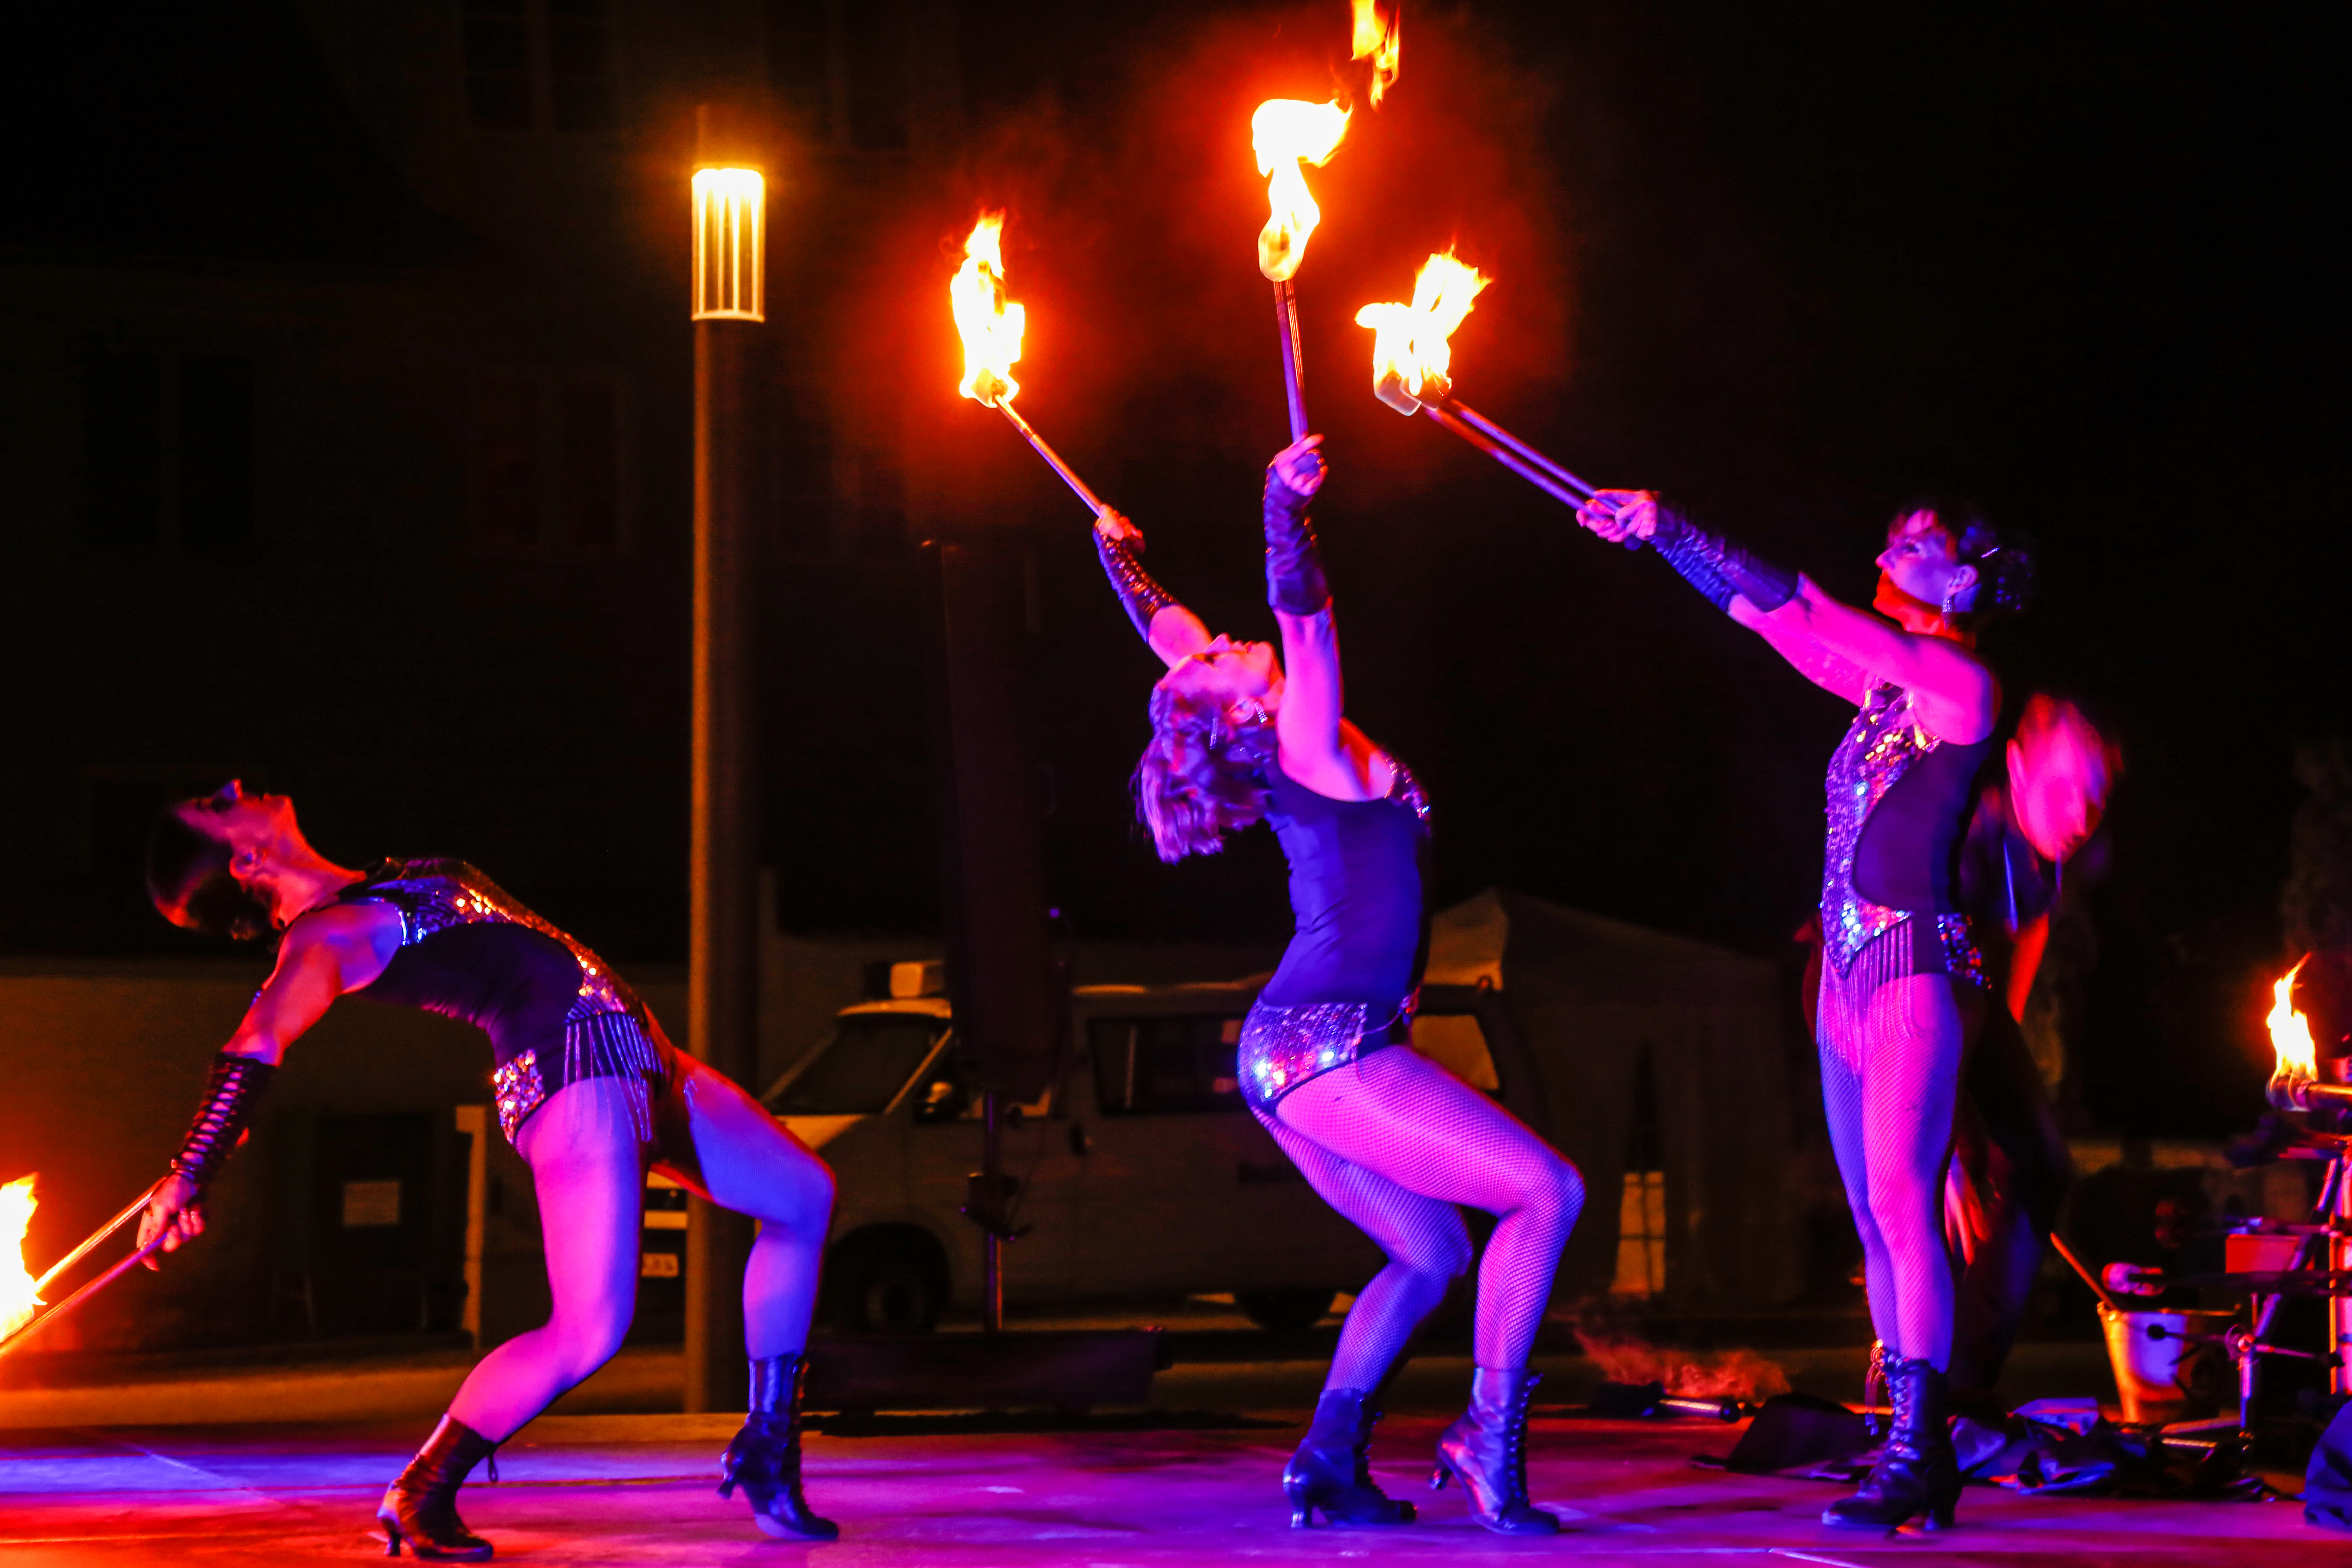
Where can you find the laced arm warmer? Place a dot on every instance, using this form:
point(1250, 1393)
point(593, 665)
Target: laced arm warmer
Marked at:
point(1294, 571)
point(1122, 563)
point(237, 1087)
point(1718, 568)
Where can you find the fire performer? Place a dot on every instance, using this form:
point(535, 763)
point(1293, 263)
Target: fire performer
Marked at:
point(1904, 984)
point(2011, 1167)
point(589, 1090)
point(1393, 1141)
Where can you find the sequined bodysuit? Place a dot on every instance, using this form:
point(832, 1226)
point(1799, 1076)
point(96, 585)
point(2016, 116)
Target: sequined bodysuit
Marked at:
point(555, 1013)
point(1897, 798)
point(1345, 982)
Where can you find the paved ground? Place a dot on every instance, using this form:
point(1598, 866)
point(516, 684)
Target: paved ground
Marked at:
point(634, 1490)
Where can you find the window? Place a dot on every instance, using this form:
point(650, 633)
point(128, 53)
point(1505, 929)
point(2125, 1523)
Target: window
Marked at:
point(539, 63)
point(547, 465)
point(845, 70)
point(123, 447)
point(1180, 1063)
point(862, 1068)
point(1641, 1204)
point(167, 452)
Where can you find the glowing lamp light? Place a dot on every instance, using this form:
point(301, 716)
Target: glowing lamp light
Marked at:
point(990, 324)
point(18, 1300)
point(1287, 133)
point(1411, 352)
point(730, 245)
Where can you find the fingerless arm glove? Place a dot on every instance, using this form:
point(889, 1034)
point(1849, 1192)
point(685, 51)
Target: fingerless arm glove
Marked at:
point(1294, 571)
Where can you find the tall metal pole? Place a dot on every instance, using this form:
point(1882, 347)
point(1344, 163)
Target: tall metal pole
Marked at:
point(722, 983)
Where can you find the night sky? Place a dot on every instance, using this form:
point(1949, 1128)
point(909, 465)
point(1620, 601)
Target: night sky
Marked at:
point(1791, 264)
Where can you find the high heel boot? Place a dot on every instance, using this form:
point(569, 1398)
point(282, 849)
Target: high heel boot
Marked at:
point(421, 1507)
point(1331, 1470)
point(1917, 1472)
point(764, 1459)
point(1486, 1451)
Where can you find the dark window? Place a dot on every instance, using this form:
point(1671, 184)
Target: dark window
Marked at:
point(216, 452)
point(506, 461)
point(123, 447)
point(592, 481)
point(800, 61)
point(580, 65)
point(1167, 1064)
point(879, 76)
point(497, 63)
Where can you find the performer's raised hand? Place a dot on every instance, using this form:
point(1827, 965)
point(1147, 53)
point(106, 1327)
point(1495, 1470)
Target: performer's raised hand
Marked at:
point(1619, 515)
point(172, 1214)
point(1301, 465)
point(1114, 528)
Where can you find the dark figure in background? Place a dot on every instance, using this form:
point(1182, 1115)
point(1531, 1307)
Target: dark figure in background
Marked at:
point(589, 1092)
point(1903, 987)
point(1386, 1136)
point(2011, 1167)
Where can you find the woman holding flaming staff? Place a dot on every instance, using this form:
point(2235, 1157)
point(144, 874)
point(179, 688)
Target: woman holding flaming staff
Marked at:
point(1904, 986)
point(589, 1092)
point(1392, 1141)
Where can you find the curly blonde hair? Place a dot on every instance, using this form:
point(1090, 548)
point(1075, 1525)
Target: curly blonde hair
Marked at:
point(1202, 777)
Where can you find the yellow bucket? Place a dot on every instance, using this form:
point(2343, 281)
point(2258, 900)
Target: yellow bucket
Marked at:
point(2160, 1375)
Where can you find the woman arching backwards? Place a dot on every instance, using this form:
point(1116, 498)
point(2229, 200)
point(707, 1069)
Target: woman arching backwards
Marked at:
point(1902, 985)
point(1390, 1139)
point(588, 1090)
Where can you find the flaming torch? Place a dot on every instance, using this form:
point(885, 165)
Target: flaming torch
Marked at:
point(1288, 134)
point(20, 1296)
point(1411, 356)
point(2294, 1082)
point(990, 326)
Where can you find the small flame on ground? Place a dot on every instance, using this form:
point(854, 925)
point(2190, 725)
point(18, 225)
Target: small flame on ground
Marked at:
point(1740, 1375)
point(1376, 40)
point(2298, 1055)
point(1287, 133)
point(1410, 342)
point(990, 324)
point(18, 1302)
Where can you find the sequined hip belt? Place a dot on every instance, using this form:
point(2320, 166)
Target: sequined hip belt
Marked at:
point(603, 1045)
point(1282, 1047)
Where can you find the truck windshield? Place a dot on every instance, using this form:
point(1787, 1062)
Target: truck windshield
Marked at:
point(868, 1060)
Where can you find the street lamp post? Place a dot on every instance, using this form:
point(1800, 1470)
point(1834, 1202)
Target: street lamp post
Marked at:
point(722, 985)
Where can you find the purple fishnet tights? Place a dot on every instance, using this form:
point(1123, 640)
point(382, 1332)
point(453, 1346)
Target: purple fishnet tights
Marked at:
point(1394, 1142)
point(1891, 1051)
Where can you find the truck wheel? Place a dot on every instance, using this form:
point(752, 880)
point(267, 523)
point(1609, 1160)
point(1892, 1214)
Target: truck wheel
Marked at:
point(886, 1286)
point(1284, 1311)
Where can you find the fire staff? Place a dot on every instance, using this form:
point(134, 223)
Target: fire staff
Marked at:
point(1904, 986)
point(589, 1092)
point(1390, 1139)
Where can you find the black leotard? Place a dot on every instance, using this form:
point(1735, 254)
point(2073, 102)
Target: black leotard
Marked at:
point(555, 1013)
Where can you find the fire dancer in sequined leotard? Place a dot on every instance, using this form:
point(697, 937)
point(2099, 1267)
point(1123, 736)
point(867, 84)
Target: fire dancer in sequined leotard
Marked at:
point(588, 1090)
point(1389, 1138)
point(1904, 983)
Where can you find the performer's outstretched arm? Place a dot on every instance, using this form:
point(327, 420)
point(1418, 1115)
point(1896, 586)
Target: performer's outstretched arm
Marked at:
point(1166, 627)
point(324, 954)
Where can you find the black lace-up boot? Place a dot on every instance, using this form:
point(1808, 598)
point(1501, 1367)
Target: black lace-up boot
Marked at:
point(1917, 1472)
point(764, 1459)
point(1331, 1472)
point(421, 1507)
point(1486, 1451)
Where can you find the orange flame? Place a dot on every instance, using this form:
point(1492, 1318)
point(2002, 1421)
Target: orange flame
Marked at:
point(1376, 40)
point(1287, 133)
point(1409, 346)
point(2298, 1057)
point(990, 324)
point(18, 1302)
